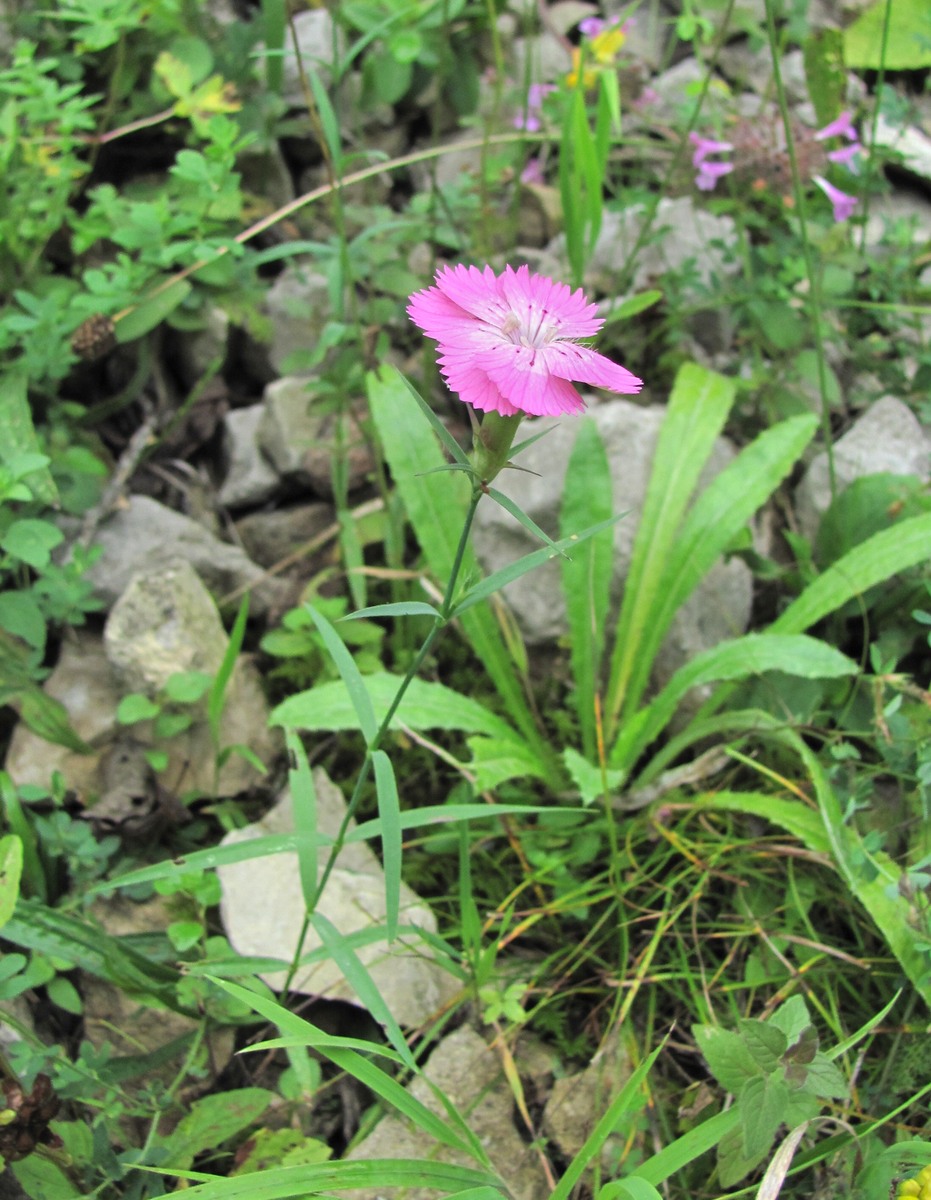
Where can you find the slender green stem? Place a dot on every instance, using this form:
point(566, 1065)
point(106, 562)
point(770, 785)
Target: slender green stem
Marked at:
point(441, 622)
point(813, 276)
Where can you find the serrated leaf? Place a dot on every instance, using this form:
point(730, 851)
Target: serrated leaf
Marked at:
point(734, 1163)
point(728, 1058)
point(804, 1048)
point(825, 1080)
point(765, 1042)
point(32, 541)
point(792, 1018)
point(762, 1104)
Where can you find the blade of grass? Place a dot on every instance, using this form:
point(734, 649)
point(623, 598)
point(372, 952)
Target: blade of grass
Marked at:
point(389, 813)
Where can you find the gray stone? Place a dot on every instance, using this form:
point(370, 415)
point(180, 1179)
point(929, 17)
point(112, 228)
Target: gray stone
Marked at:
point(542, 57)
point(720, 608)
point(687, 234)
point(132, 1024)
point(202, 350)
point(270, 537)
point(84, 682)
point(468, 1072)
point(577, 1102)
point(912, 144)
point(298, 434)
point(145, 535)
point(674, 91)
point(902, 205)
point(250, 478)
point(298, 305)
point(263, 909)
point(313, 31)
point(166, 623)
point(888, 437)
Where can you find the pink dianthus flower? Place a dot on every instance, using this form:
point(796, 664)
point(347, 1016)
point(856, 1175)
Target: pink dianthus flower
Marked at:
point(508, 343)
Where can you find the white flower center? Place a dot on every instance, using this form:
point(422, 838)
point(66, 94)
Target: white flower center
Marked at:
point(532, 329)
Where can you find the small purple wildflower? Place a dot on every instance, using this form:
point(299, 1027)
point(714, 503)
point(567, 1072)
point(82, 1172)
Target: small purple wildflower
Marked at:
point(533, 172)
point(843, 204)
point(529, 119)
point(846, 155)
point(709, 172)
point(842, 126)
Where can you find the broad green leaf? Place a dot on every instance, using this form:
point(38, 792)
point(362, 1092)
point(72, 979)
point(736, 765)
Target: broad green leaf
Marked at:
point(586, 574)
point(766, 1043)
point(733, 1161)
point(32, 541)
point(792, 1018)
point(908, 47)
point(152, 310)
point(588, 778)
point(18, 435)
point(496, 760)
point(49, 718)
point(762, 1103)
point(712, 523)
point(865, 507)
point(825, 73)
point(879, 557)
point(436, 507)
point(727, 1055)
point(825, 1080)
point(11, 866)
point(425, 705)
point(212, 1121)
point(21, 616)
point(742, 658)
point(389, 813)
point(698, 408)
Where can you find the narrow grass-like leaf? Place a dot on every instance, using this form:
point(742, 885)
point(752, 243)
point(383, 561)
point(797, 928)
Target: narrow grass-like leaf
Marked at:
point(361, 982)
point(586, 576)
point(323, 1042)
point(385, 1086)
point(351, 676)
point(389, 812)
point(698, 408)
point(295, 1183)
point(59, 935)
point(906, 544)
point(629, 1100)
point(634, 1187)
point(742, 658)
point(712, 523)
point(329, 122)
point(304, 797)
point(436, 507)
point(403, 608)
point(529, 562)
point(520, 516)
point(685, 1149)
point(221, 680)
point(456, 452)
point(274, 24)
